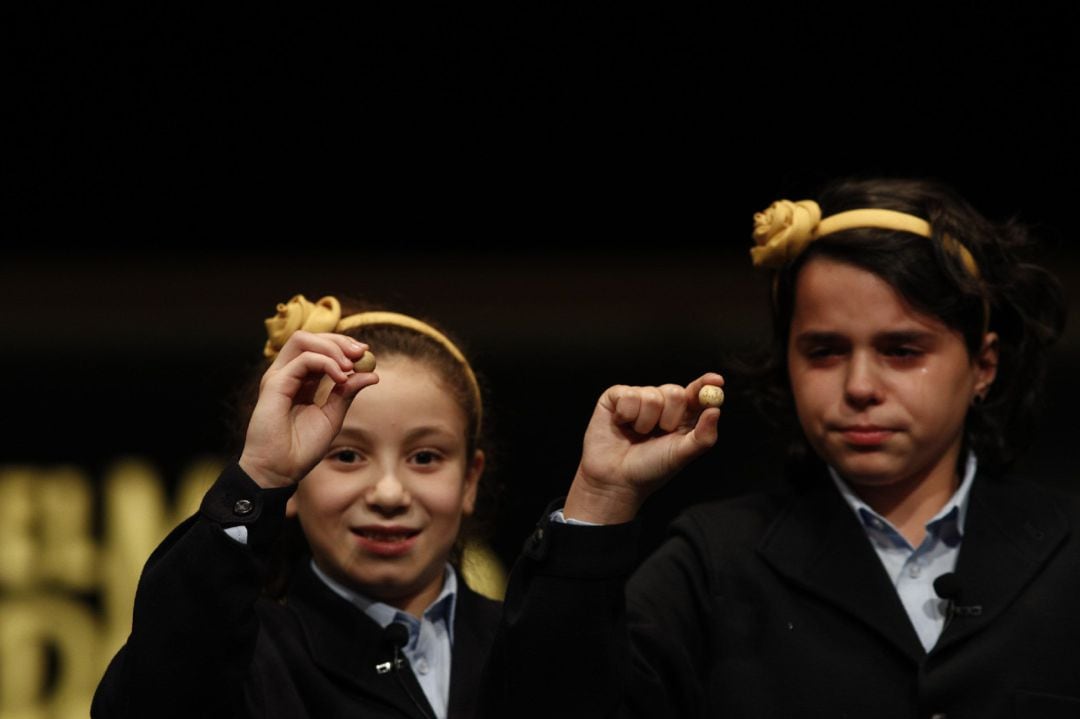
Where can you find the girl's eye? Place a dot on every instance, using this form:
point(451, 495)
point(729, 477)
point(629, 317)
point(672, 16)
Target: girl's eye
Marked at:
point(346, 456)
point(903, 352)
point(425, 457)
point(822, 352)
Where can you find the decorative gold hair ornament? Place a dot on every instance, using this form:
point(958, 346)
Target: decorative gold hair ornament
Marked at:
point(325, 316)
point(783, 231)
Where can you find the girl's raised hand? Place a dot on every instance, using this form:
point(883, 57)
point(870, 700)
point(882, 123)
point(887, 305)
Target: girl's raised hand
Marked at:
point(290, 431)
point(638, 438)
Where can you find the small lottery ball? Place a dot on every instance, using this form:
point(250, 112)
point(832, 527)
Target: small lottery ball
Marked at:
point(711, 396)
point(365, 363)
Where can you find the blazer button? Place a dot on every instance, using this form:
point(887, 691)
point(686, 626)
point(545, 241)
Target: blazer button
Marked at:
point(242, 507)
point(939, 715)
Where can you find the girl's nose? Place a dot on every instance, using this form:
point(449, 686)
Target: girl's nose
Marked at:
point(862, 386)
point(388, 494)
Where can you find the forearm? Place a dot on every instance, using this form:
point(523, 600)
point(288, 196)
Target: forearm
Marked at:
point(194, 626)
point(562, 647)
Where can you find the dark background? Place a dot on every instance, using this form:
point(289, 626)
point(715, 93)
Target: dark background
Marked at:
point(566, 186)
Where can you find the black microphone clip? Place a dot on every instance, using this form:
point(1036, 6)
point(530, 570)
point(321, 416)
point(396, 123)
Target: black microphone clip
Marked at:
point(396, 635)
point(947, 586)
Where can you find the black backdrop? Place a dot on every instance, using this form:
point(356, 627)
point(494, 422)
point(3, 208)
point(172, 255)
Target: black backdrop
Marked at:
point(568, 186)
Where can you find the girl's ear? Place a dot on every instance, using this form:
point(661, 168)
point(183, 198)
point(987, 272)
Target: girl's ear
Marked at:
point(290, 507)
point(986, 364)
point(472, 482)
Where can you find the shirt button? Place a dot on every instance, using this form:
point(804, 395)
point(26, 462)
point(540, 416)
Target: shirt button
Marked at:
point(914, 571)
point(242, 507)
point(422, 665)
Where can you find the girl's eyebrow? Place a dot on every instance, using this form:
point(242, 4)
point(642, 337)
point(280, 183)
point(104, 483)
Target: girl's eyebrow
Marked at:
point(905, 336)
point(353, 433)
point(428, 431)
point(813, 337)
point(356, 433)
point(895, 336)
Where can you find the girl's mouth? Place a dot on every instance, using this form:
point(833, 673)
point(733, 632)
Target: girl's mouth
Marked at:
point(386, 535)
point(865, 436)
point(386, 541)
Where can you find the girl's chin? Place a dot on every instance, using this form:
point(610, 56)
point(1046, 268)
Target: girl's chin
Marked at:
point(869, 471)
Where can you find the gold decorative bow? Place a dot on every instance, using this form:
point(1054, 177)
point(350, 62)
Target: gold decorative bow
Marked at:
point(300, 314)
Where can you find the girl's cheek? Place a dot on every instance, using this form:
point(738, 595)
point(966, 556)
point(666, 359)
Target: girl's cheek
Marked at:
point(445, 502)
point(447, 498)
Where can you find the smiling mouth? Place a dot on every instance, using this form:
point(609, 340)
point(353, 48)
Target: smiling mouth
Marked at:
point(386, 536)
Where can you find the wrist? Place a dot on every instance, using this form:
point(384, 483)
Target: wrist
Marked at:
point(262, 477)
point(600, 504)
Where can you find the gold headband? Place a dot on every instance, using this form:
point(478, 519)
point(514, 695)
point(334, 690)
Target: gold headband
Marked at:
point(784, 230)
point(325, 316)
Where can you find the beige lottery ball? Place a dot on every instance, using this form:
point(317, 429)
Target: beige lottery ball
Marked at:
point(711, 396)
point(365, 363)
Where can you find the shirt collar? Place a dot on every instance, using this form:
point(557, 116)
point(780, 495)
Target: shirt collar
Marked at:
point(947, 524)
point(444, 607)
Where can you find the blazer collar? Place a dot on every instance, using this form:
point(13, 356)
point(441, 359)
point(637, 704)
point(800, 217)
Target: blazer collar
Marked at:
point(346, 643)
point(818, 544)
point(1011, 531)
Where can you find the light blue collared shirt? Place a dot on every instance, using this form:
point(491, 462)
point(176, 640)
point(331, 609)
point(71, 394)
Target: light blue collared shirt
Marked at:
point(431, 637)
point(914, 569)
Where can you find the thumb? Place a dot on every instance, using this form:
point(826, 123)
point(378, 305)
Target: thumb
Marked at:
point(342, 395)
point(701, 438)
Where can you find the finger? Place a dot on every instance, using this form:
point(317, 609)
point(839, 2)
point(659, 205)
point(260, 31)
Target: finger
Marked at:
point(301, 372)
point(341, 396)
point(701, 438)
point(650, 406)
point(622, 402)
point(322, 392)
point(343, 349)
point(347, 387)
point(714, 378)
point(674, 407)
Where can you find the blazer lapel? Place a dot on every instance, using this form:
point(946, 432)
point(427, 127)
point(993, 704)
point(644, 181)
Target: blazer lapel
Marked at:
point(348, 644)
point(475, 621)
point(1010, 533)
point(819, 545)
